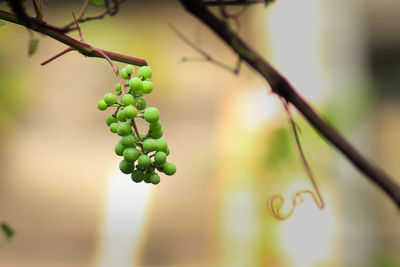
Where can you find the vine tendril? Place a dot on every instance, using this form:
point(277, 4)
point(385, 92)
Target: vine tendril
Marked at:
point(275, 209)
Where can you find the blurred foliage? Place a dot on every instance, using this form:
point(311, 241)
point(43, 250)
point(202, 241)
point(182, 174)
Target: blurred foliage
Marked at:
point(2, 23)
point(32, 46)
point(386, 259)
point(97, 2)
point(280, 148)
point(7, 230)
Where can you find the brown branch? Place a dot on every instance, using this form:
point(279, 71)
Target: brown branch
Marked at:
point(233, 2)
point(58, 34)
point(283, 88)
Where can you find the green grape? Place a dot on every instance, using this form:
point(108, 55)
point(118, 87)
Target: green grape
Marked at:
point(126, 166)
point(151, 114)
point(155, 126)
point(161, 144)
point(146, 177)
point(124, 129)
point(128, 99)
point(140, 103)
point(130, 112)
point(156, 134)
point(154, 178)
point(118, 89)
point(147, 87)
point(119, 149)
point(145, 72)
point(128, 140)
point(110, 99)
point(131, 154)
point(129, 69)
point(121, 116)
point(102, 105)
point(137, 176)
point(123, 73)
point(167, 152)
point(114, 127)
point(135, 84)
point(160, 157)
point(111, 119)
point(149, 145)
point(144, 161)
point(143, 136)
point(169, 168)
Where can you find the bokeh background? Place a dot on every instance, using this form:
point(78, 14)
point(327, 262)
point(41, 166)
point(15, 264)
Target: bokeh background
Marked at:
point(60, 187)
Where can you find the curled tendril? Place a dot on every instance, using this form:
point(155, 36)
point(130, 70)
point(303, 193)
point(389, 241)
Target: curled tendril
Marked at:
point(275, 203)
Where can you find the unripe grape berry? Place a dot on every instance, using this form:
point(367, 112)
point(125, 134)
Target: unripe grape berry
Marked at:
point(144, 161)
point(147, 87)
point(111, 119)
point(169, 168)
point(129, 69)
point(135, 84)
point(151, 114)
point(137, 176)
point(121, 116)
point(146, 177)
point(130, 112)
point(167, 152)
point(114, 127)
point(149, 145)
point(123, 73)
point(118, 89)
point(102, 105)
point(154, 178)
point(124, 129)
point(156, 134)
point(126, 166)
point(161, 144)
point(155, 126)
point(119, 149)
point(145, 72)
point(131, 154)
point(128, 99)
point(160, 157)
point(140, 103)
point(128, 140)
point(110, 99)
point(143, 136)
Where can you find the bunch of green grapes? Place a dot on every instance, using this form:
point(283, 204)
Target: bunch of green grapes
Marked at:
point(142, 154)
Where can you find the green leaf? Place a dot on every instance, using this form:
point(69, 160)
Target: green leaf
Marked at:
point(2, 23)
point(97, 2)
point(7, 230)
point(32, 47)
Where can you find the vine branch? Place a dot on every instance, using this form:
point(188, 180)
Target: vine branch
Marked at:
point(79, 46)
point(280, 86)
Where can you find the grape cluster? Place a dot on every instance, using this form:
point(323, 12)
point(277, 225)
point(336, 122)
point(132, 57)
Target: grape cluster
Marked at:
point(142, 154)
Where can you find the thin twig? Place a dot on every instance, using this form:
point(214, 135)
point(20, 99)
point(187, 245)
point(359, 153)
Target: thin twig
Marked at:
point(57, 55)
point(81, 18)
point(205, 56)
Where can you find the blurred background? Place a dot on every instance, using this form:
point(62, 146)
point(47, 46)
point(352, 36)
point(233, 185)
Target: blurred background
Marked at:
point(60, 187)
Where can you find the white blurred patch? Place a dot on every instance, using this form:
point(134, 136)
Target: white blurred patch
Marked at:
point(124, 219)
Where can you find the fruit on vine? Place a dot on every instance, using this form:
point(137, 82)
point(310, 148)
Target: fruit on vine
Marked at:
point(130, 112)
point(135, 84)
point(110, 99)
point(169, 168)
point(147, 87)
point(128, 99)
point(102, 105)
point(144, 161)
point(143, 154)
point(145, 72)
point(151, 114)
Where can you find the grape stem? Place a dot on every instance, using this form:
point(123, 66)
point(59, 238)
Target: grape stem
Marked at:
point(133, 123)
